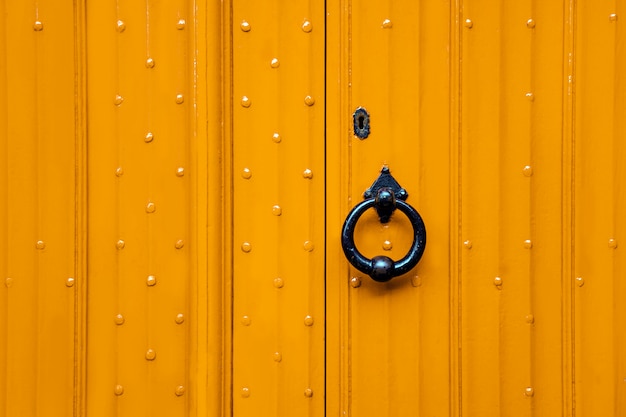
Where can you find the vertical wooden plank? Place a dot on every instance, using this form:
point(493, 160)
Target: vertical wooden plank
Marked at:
point(398, 332)
point(142, 233)
point(597, 207)
point(39, 140)
point(278, 207)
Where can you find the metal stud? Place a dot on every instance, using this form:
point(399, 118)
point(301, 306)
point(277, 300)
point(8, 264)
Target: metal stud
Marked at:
point(180, 171)
point(69, 282)
point(279, 282)
point(580, 281)
point(119, 319)
point(180, 390)
point(497, 281)
point(276, 138)
point(355, 282)
point(246, 173)
point(38, 26)
point(467, 244)
point(527, 171)
point(8, 282)
point(528, 244)
point(180, 25)
point(276, 210)
point(119, 171)
point(246, 321)
point(309, 101)
point(277, 357)
point(180, 318)
point(245, 392)
point(40, 245)
point(530, 319)
point(180, 99)
point(529, 392)
point(612, 243)
point(150, 207)
point(530, 96)
point(246, 247)
point(613, 17)
point(149, 137)
point(245, 26)
point(274, 63)
point(307, 26)
point(308, 246)
point(308, 392)
point(151, 281)
point(118, 390)
point(149, 63)
point(179, 244)
point(387, 24)
point(120, 26)
point(307, 173)
point(387, 245)
point(245, 101)
point(530, 24)
point(469, 24)
point(308, 321)
point(416, 281)
point(118, 100)
point(150, 355)
point(120, 244)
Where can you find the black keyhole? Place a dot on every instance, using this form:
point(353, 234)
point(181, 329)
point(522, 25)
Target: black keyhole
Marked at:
point(361, 121)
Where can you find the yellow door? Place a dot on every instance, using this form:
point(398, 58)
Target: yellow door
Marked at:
point(175, 177)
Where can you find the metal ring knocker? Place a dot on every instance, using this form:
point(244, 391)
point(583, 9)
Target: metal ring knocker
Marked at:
point(382, 268)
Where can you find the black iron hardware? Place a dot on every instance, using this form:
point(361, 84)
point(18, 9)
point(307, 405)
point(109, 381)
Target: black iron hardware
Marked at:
point(385, 195)
point(361, 121)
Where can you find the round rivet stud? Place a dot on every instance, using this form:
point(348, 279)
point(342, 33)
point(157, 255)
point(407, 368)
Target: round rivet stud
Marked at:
point(580, 281)
point(613, 17)
point(278, 357)
point(307, 173)
point(308, 246)
point(307, 26)
point(40, 245)
point(467, 244)
point(149, 63)
point(38, 26)
point(387, 245)
point(612, 243)
point(308, 392)
point(274, 63)
point(120, 26)
point(469, 24)
point(119, 171)
point(530, 319)
point(180, 99)
point(8, 282)
point(118, 390)
point(355, 282)
point(529, 392)
point(497, 281)
point(149, 137)
point(527, 171)
point(309, 101)
point(530, 96)
point(69, 282)
point(119, 319)
point(180, 318)
point(180, 25)
point(120, 244)
point(245, 101)
point(416, 281)
point(246, 321)
point(180, 171)
point(530, 23)
point(179, 244)
point(276, 138)
point(308, 321)
point(387, 24)
point(279, 282)
point(151, 281)
point(118, 100)
point(245, 26)
point(150, 207)
point(245, 392)
point(180, 390)
point(246, 247)
point(246, 173)
point(528, 244)
point(150, 355)
point(277, 211)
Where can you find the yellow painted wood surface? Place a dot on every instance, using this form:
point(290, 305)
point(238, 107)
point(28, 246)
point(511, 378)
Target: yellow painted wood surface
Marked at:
point(174, 177)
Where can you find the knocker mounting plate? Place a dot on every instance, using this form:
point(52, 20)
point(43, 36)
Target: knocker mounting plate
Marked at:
point(386, 190)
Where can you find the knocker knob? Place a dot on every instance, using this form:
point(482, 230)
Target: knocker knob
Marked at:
point(382, 268)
